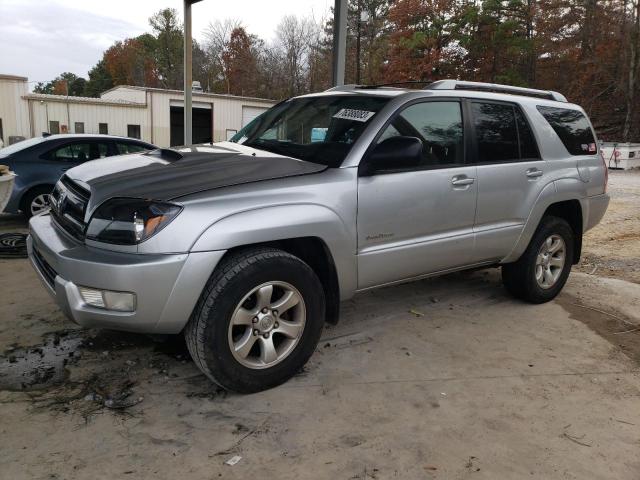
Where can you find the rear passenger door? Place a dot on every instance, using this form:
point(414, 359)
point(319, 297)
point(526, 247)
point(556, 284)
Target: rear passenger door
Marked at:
point(510, 173)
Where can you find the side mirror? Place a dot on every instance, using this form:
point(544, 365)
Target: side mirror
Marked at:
point(392, 154)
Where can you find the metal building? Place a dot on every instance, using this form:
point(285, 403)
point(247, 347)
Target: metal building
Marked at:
point(151, 114)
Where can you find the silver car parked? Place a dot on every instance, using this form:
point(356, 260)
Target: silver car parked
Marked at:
point(248, 246)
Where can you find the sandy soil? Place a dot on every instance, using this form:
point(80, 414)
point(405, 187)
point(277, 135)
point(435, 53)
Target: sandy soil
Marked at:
point(612, 248)
point(444, 378)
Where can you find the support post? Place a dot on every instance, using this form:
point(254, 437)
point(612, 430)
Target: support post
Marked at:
point(339, 41)
point(188, 75)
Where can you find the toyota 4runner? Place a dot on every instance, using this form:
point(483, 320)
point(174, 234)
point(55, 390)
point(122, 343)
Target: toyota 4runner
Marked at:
point(248, 246)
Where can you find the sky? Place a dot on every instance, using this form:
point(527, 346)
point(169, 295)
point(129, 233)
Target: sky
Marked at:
point(41, 39)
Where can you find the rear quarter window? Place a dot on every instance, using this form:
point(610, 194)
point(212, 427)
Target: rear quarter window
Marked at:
point(573, 129)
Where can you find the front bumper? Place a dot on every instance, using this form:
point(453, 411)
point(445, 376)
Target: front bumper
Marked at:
point(167, 286)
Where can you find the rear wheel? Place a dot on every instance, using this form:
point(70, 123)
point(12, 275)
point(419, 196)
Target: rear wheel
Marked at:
point(542, 270)
point(258, 320)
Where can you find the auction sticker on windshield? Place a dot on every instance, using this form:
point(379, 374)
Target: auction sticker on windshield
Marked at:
point(352, 114)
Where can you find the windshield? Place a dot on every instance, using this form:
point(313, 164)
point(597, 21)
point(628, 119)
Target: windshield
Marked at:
point(16, 147)
point(316, 129)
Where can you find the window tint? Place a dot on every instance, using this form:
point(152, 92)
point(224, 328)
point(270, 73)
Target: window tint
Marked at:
point(133, 131)
point(528, 145)
point(496, 132)
point(103, 129)
point(438, 125)
point(573, 129)
point(79, 152)
point(124, 148)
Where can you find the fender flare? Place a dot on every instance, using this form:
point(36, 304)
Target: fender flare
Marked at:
point(554, 192)
point(282, 222)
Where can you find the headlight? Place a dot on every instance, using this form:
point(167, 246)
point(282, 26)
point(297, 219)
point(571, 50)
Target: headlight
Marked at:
point(129, 221)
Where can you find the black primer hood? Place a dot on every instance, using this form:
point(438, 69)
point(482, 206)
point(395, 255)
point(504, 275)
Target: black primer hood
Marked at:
point(168, 174)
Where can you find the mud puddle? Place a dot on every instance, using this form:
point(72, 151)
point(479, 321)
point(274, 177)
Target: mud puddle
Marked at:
point(41, 366)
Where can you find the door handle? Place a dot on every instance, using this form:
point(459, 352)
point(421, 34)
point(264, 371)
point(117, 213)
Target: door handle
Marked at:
point(534, 173)
point(461, 181)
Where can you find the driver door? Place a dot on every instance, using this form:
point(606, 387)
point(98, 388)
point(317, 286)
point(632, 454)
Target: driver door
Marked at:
point(418, 219)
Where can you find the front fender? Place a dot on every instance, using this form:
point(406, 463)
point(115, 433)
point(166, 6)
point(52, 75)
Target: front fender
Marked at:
point(282, 222)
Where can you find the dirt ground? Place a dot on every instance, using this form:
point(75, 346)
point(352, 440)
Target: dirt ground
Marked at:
point(445, 378)
point(612, 248)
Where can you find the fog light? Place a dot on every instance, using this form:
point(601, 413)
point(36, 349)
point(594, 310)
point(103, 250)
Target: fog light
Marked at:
point(109, 300)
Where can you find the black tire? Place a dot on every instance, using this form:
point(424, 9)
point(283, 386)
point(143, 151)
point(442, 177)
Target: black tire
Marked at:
point(30, 196)
point(206, 333)
point(519, 278)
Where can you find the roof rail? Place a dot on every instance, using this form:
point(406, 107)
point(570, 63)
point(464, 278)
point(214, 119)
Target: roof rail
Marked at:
point(341, 88)
point(497, 88)
point(355, 86)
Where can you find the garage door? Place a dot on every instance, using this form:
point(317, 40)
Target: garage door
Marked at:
point(249, 113)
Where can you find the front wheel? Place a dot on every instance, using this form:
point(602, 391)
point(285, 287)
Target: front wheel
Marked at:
point(258, 320)
point(542, 270)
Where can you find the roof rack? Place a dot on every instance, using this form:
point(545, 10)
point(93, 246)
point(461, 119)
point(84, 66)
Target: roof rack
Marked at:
point(496, 88)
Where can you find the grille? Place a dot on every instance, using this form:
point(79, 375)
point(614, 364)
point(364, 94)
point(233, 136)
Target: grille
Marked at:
point(68, 206)
point(47, 271)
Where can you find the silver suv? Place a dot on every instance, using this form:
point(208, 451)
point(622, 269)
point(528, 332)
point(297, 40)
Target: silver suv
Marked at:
point(249, 246)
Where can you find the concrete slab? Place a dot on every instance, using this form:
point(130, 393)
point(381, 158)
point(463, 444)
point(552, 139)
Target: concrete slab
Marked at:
point(444, 378)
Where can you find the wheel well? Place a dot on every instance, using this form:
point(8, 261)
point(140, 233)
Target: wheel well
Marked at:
point(315, 253)
point(571, 211)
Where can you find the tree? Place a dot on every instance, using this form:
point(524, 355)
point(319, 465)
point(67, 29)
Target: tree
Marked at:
point(294, 46)
point(634, 51)
point(168, 47)
point(240, 64)
point(423, 42)
point(66, 83)
point(131, 62)
point(218, 37)
point(99, 80)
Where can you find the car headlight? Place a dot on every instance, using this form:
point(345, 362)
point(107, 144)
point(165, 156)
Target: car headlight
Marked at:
point(129, 221)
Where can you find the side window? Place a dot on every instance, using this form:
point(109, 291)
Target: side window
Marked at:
point(79, 152)
point(528, 145)
point(496, 132)
point(573, 129)
point(438, 125)
point(76, 152)
point(124, 148)
point(99, 150)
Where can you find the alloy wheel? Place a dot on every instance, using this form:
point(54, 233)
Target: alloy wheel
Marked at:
point(550, 261)
point(39, 204)
point(267, 325)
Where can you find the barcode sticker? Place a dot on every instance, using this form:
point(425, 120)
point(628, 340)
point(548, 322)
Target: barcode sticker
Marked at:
point(355, 115)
